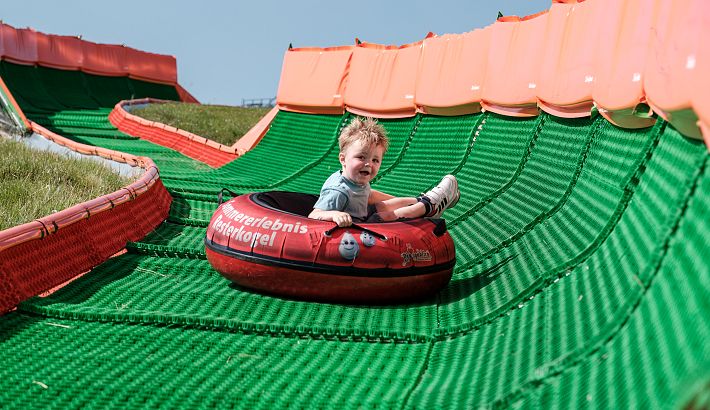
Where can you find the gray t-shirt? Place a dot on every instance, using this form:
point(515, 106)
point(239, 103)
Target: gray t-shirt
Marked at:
point(341, 194)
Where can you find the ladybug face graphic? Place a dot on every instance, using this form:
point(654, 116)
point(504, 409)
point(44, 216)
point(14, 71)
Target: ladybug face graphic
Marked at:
point(348, 247)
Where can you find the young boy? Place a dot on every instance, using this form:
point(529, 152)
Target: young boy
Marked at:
point(346, 195)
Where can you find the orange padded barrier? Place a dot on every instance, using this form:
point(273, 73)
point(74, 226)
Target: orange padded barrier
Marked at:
point(313, 80)
point(29, 47)
point(256, 133)
point(42, 254)
point(705, 128)
point(680, 37)
point(700, 92)
point(188, 144)
point(382, 80)
point(14, 105)
point(514, 60)
point(621, 58)
point(564, 86)
point(452, 72)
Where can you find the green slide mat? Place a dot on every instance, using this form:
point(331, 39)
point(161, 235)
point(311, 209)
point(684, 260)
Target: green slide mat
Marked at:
point(581, 276)
point(437, 147)
point(58, 364)
point(558, 153)
point(606, 330)
point(399, 132)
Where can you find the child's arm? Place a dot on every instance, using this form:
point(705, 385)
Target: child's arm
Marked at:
point(343, 219)
point(377, 196)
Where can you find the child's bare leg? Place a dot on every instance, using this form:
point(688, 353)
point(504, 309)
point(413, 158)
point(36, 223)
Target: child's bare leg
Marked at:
point(395, 208)
point(394, 203)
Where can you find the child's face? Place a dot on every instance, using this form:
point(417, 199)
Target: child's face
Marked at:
point(361, 161)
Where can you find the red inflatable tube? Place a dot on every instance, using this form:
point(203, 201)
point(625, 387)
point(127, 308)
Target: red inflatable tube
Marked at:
point(263, 241)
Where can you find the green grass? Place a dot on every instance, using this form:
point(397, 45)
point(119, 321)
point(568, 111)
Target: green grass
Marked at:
point(34, 184)
point(223, 124)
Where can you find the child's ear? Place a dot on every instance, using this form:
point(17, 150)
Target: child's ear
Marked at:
point(341, 158)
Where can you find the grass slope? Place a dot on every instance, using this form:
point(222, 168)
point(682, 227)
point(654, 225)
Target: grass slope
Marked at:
point(223, 124)
point(35, 184)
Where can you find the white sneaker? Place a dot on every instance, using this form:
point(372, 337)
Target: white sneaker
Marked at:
point(443, 196)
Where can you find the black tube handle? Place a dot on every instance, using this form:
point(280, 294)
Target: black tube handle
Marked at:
point(356, 226)
point(221, 193)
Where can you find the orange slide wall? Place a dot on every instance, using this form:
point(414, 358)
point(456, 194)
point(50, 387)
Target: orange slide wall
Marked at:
point(313, 80)
point(622, 53)
point(514, 63)
point(621, 57)
point(452, 85)
point(679, 58)
point(383, 80)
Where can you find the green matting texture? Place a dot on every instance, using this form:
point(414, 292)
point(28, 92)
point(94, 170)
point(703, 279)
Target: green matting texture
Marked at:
point(581, 279)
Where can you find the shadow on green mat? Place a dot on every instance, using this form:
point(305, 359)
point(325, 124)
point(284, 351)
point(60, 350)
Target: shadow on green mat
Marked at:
point(456, 290)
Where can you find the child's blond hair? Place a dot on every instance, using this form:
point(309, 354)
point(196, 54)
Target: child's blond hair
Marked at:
point(368, 131)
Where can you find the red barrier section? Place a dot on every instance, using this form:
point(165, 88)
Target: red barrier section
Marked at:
point(451, 74)
point(514, 60)
point(19, 45)
point(104, 59)
point(39, 255)
point(191, 145)
point(185, 96)
point(151, 67)
point(35, 266)
point(382, 80)
point(564, 86)
point(62, 52)
point(313, 80)
point(26, 46)
point(622, 52)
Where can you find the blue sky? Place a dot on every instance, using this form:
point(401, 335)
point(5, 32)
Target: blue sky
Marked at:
point(229, 50)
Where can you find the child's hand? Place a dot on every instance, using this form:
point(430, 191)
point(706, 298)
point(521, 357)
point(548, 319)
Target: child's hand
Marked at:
point(343, 219)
